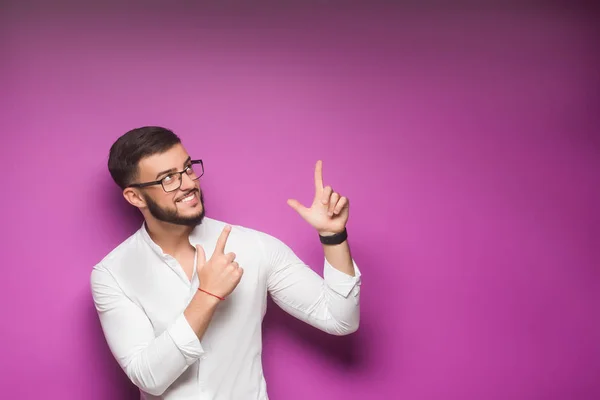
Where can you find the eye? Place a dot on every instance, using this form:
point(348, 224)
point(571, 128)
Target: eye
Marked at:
point(168, 179)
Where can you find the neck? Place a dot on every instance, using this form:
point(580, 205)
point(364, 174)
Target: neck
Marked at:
point(171, 238)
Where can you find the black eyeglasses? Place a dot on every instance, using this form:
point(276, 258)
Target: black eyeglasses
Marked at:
point(172, 181)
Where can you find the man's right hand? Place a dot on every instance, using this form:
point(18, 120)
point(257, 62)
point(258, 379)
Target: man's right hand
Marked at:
point(220, 274)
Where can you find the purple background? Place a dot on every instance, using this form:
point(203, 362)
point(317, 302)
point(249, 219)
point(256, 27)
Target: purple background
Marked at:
point(467, 140)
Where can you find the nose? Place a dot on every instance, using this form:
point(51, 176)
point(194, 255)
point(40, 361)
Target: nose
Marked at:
point(187, 183)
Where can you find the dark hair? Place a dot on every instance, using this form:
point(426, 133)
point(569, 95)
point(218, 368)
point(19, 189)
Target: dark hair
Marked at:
point(129, 149)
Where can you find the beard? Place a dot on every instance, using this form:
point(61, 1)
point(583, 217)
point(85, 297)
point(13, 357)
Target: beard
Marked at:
point(172, 216)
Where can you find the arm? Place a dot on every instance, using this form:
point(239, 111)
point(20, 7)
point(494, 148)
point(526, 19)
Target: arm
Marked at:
point(339, 257)
point(151, 362)
point(329, 215)
point(331, 304)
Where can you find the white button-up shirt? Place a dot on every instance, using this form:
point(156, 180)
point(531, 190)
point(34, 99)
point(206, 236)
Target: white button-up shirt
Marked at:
point(140, 294)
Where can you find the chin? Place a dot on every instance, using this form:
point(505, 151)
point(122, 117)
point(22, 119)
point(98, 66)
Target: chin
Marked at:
point(190, 217)
point(191, 220)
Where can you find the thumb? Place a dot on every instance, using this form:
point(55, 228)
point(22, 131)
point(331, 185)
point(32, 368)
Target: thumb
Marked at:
point(300, 209)
point(200, 257)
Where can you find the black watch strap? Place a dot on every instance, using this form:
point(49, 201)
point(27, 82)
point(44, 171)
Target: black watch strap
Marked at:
point(338, 238)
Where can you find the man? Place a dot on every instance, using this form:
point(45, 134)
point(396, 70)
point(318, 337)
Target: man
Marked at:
point(181, 301)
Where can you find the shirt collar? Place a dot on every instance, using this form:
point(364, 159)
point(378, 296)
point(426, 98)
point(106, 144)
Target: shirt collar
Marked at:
point(194, 238)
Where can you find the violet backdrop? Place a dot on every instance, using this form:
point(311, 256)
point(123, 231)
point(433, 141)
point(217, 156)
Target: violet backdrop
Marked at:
point(467, 140)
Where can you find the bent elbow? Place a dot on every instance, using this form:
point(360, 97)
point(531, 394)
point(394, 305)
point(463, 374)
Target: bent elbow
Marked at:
point(151, 388)
point(154, 390)
point(352, 328)
point(345, 328)
point(147, 384)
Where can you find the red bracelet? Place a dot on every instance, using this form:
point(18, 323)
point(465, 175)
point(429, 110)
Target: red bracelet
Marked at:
point(214, 295)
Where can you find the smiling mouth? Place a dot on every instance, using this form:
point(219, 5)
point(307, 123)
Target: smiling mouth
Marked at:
point(187, 198)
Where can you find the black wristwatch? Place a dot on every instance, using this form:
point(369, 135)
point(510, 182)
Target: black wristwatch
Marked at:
point(338, 238)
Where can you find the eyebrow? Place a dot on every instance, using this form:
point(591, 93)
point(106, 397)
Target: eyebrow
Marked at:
point(187, 161)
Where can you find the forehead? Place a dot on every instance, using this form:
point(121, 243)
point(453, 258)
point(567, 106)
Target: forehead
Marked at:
point(174, 158)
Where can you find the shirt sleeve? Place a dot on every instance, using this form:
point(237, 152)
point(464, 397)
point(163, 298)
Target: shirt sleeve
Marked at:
point(151, 362)
point(331, 303)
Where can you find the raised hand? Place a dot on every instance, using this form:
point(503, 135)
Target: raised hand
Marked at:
point(329, 211)
point(221, 274)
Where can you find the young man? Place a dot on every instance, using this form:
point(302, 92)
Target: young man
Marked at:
point(181, 301)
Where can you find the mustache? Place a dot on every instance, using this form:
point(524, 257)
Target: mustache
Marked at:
point(187, 194)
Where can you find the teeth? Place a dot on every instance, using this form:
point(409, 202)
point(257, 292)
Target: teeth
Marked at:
point(188, 198)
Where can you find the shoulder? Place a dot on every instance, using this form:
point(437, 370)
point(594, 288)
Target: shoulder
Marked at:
point(127, 253)
point(241, 234)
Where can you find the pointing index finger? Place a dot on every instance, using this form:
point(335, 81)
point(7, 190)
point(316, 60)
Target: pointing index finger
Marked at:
point(319, 176)
point(222, 240)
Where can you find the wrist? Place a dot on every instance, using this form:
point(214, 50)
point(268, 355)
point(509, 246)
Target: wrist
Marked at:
point(329, 232)
point(210, 293)
point(206, 300)
point(334, 239)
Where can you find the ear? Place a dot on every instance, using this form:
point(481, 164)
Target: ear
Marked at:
point(134, 197)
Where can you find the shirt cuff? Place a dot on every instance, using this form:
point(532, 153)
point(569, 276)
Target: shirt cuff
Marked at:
point(186, 340)
point(339, 281)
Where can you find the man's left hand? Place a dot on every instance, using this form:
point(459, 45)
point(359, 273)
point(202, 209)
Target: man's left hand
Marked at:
point(329, 211)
